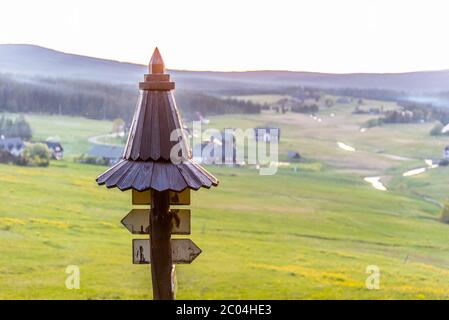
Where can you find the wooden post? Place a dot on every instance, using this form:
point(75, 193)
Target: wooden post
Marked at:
point(161, 252)
point(174, 281)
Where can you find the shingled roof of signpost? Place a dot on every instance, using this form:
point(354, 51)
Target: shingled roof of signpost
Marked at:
point(146, 162)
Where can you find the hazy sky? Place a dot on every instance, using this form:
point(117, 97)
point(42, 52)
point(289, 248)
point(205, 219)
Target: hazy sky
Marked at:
point(310, 35)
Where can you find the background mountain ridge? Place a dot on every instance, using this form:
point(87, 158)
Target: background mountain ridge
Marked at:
point(24, 60)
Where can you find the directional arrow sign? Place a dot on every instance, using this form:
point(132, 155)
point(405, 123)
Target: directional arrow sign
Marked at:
point(184, 251)
point(137, 221)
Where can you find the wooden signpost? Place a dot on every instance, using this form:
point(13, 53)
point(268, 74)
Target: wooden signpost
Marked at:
point(157, 181)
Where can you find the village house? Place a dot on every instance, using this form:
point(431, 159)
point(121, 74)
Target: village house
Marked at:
point(216, 151)
point(294, 155)
point(56, 149)
point(108, 153)
point(267, 134)
point(14, 146)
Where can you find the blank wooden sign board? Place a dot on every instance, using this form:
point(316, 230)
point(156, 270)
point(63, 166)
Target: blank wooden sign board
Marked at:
point(137, 221)
point(176, 198)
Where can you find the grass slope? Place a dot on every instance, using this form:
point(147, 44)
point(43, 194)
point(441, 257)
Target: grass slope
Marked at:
point(309, 235)
point(72, 131)
point(306, 234)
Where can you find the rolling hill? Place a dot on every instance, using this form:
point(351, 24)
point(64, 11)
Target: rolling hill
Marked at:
point(34, 61)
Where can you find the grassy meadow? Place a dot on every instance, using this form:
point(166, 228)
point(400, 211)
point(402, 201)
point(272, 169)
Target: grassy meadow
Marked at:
point(72, 131)
point(300, 234)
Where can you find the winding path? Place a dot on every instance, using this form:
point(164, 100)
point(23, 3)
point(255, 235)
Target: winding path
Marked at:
point(96, 139)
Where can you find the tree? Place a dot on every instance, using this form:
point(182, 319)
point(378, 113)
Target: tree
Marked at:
point(17, 127)
point(329, 102)
point(36, 154)
point(445, 213)
point(23, 128)
point(118, 125)
point(437, 130)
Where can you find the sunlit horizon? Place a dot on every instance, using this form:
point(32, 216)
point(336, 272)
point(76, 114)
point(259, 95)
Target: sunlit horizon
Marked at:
point(349, 36)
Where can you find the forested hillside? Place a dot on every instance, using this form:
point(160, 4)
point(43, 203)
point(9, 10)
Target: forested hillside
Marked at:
point(98, 100)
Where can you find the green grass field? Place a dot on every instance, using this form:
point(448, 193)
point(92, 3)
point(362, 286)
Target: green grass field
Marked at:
point(72, 131)
point(309, 234)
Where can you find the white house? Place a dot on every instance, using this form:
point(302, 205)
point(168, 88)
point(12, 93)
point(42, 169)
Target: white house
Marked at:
point(56, 149)
point(267, 134)
point(12, 145)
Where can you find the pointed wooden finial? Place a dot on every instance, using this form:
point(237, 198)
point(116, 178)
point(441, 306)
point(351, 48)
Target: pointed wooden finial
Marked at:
point(157, 79)
point(157, 63)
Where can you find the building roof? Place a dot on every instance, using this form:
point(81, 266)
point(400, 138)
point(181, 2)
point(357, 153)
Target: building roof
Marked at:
point(160, 176)
point(106, 151)
point(11, 141)
point(53, 145)
point(293, 155)
point(445, 128)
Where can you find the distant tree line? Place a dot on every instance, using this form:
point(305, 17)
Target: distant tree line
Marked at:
point(297, 92)
point(99, 100)
point(396, 116)
point(307, 92)
point(306, 108)
point(66, 97)
point(426, 111)
point(372, 110)
point(373, 94)
point(294, 105)
point(402, 116)
point(192, 102)
point(413, 112)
